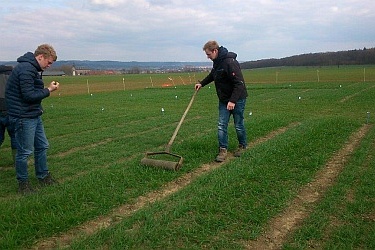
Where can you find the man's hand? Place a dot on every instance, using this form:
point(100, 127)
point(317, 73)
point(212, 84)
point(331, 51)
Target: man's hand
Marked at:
point(53, 86)
point(198, 86)
point(231, 105)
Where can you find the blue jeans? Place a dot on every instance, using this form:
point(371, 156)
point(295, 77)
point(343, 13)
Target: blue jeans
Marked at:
point(238, 117)
point(30, 137)
point(4, 125)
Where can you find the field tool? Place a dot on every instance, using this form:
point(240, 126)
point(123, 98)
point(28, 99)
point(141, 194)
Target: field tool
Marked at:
point(174, 161)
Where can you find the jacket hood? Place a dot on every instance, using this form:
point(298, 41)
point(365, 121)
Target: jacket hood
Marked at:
point(223, 54)
point(232, 55)
point(29, 58)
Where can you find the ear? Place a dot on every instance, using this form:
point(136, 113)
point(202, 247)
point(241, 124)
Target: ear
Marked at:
point(39, 57)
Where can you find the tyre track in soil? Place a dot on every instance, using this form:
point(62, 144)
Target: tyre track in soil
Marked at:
point(118, 214)
point(283, 225)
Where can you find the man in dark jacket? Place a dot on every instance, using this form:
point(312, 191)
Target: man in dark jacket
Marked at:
point(24, 94)
point(4, 121)
point(232, 93)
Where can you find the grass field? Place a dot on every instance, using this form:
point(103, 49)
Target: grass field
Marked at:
point(305, 181)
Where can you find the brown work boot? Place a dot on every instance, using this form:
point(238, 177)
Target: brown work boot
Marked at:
point(222, 155)
point(47, 181)
point(24, 187)
point(239, 150)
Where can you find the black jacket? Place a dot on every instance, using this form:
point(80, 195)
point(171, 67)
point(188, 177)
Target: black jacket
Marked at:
point(4, 75)
point(25, 90)
point(228, 78)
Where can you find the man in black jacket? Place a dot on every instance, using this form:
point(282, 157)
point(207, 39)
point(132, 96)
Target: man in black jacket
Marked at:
point(4, 121)
point(24, 94)
point(232, 93)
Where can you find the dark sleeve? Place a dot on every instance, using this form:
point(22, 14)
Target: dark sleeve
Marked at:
point(208, 79)
point(32, 87)
point(236, 78)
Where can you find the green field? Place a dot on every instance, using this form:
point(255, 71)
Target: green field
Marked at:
point(310, 160)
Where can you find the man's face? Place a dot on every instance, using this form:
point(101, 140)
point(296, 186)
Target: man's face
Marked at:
point(211, 54)
point(44, 62)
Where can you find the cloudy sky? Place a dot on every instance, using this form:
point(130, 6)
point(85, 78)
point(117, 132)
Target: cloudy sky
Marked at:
point(175, 30)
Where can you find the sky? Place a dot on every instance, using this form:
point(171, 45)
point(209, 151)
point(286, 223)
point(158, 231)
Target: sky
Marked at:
point(176, 30)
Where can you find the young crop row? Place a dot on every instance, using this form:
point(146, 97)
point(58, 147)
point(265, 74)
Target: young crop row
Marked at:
point(98, 140)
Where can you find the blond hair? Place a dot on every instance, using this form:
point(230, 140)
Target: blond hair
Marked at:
point(47, 51)
point(211, 45)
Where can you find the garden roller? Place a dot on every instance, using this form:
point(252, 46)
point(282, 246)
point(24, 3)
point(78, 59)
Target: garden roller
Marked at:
point(176, 160)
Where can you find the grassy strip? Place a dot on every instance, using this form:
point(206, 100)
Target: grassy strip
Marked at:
point(96, 154)
point(345, 218)
point(233, 203)
point(99, 178)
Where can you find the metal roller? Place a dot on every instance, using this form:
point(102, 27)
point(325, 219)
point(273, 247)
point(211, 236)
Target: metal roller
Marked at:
point(148, 160)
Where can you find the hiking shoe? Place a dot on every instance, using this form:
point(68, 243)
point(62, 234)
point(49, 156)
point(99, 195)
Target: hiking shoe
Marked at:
point(47, 181)
point(24, 187)
point(239, 150)
point(222, 155)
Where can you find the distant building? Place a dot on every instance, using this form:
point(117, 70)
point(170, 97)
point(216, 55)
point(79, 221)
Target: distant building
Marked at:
point(77, 71)
point(53, 73)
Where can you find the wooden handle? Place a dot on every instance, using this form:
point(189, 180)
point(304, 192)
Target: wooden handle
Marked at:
point(181, 121)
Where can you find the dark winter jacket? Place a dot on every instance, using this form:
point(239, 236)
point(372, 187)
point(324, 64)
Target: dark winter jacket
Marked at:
point(25, 89)
point(4, 75)
point(227, 75)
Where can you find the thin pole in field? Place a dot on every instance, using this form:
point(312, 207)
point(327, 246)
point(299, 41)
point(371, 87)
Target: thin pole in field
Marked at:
point(152, 84)
point(317, 73)
point(123, 82)
point(171, 79)
point(88, 88)
point(277, 75)
point(364, 74)
point(182, 80)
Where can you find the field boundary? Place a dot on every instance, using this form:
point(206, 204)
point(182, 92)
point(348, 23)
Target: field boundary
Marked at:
point(282, 225)
point(102, 222)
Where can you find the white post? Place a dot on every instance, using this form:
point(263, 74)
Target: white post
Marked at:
point(182, 80)
point(317, 73)
point(277, 74)
point(364, 74)
point(88, 88)
point(171, 79)
point(152, 84)
point(123, 82)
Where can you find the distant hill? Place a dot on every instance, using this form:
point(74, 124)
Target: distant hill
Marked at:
point(117, 65)
point(351, 57)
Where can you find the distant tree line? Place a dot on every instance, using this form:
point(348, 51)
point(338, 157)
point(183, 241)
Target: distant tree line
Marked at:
point(350, 57)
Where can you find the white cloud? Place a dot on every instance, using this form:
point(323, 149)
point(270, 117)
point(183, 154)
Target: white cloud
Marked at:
point(175, 30)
